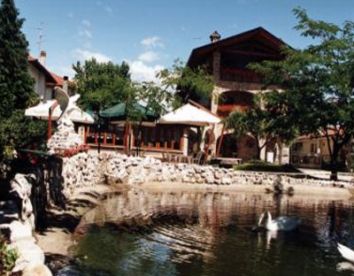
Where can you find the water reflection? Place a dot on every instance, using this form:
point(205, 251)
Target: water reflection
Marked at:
point(193, 233)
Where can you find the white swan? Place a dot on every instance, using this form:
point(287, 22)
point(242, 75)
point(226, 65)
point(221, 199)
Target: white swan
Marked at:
point(281, 223)
point(346, 252)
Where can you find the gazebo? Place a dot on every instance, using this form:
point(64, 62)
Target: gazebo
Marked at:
point(188, 116)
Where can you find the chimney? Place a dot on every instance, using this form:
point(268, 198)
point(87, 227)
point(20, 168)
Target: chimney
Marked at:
point(66, 84)
point(214, 37)
point(42, 57)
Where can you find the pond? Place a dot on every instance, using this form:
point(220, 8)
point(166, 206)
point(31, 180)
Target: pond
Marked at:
point(194, 233)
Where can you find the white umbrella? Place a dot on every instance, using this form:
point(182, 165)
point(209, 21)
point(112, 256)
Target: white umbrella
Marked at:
point(41, 111)
point(189, 115)
point(76, 114)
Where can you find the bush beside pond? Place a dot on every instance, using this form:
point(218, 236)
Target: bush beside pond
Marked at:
point(257, 165)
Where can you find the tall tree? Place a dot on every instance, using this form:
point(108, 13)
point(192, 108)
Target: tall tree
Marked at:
point(16, 85)
point(318, 83)
point(102, 85)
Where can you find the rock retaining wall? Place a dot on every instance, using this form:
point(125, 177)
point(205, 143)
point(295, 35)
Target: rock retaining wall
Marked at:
point(88, 169)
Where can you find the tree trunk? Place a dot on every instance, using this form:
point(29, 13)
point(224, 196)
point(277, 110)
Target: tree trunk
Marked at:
point(258, 152)
point(280, 153)
point(334, 163)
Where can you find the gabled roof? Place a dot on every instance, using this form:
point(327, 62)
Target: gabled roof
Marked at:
point(58, 79)
point(51, 78)
point(259, 32)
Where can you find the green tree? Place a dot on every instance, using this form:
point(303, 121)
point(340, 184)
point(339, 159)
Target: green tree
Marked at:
point(318, 83)
point(102, 85)
point(253, 122)
point(188, 83)
point(16, 85)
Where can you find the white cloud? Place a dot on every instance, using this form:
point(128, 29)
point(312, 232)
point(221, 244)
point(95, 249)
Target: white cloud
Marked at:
point(149, 56)
point(143, 72)
point(82, 55)
point(152, 42)
point(86, 23)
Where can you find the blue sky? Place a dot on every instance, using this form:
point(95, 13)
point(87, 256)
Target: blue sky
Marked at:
point(151, 34)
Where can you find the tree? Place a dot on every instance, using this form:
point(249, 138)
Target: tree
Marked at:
point(254, 122)
point(16, 85)
point(187, 82)
point(102, 85)
point(318, 83)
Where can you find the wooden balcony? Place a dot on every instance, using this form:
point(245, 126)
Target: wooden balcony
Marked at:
point(239, 75)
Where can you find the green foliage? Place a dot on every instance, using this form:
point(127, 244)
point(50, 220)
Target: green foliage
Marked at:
point(255, 122)
point(16, 85)
point(257, 165)
point(157, 99)
point(189, 83)
point(8, 257)
point(18, 132)
point(102, 85)
point(318, 83)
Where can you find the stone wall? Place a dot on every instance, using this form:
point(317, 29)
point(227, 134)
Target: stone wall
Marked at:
point(88, 169)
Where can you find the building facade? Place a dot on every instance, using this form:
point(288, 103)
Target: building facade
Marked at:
point(236, 85)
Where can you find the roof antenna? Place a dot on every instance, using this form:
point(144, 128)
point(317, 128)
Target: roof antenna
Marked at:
point(40, 40)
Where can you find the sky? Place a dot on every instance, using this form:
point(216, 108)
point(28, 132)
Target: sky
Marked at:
point(152, 34)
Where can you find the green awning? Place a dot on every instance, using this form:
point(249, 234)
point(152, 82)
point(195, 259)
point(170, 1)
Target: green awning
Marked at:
point(120, 111)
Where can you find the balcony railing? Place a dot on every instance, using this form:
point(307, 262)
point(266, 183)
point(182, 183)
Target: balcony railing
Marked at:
point(225, 109)
point(239, 75)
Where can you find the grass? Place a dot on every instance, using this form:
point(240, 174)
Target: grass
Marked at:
point(257, 165)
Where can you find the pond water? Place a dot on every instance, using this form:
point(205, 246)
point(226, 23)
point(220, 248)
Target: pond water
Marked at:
point(193, 233)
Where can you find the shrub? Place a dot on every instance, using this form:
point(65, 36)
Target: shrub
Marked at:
point(257, 165)
point(8, 257)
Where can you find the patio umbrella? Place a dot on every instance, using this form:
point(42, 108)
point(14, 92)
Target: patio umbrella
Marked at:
point(41, 111)
point(190, 115)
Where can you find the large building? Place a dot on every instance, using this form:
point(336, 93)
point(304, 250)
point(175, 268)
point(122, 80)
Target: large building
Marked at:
point(235, 84)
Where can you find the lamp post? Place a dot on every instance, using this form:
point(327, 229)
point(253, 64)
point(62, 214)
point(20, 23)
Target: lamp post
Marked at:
point(99, 123)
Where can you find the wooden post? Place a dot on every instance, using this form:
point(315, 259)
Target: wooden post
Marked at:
point(86, 131)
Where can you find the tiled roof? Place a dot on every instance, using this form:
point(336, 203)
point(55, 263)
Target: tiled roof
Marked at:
point(51, 78)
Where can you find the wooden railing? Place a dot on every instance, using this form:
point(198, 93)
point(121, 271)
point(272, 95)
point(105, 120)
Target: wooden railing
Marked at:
point(225, 109)
point(239, 75)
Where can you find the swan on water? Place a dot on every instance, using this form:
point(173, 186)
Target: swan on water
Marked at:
point(282, 223)
point(346, 252)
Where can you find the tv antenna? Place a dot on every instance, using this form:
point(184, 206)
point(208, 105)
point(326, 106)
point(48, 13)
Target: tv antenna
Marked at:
point(40, 40)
